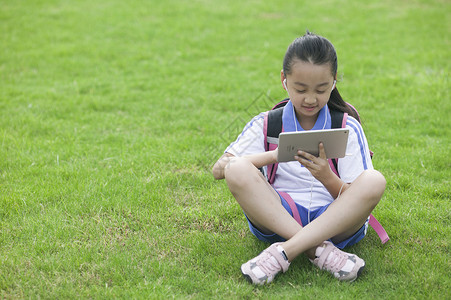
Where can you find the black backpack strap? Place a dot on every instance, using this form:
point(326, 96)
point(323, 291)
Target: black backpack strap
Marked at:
point(275, 120)
point(281, 103)
point(337, 118)
point(274, 123)
point(273, 127)
point(337, 122)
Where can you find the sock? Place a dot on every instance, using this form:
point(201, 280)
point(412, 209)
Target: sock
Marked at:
point(319, 250)
point(280, 249)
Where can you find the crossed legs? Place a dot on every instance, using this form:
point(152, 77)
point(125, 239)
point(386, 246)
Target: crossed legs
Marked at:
point(262, 206)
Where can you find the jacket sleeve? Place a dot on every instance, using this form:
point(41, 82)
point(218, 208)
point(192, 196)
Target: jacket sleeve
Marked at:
point(358, 156)
point(250, 140)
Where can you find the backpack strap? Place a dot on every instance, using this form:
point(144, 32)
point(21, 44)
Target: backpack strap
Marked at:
point(272, 127)
point(293, 207)
point(281, 103)
point(379, 229)
point(339, 120)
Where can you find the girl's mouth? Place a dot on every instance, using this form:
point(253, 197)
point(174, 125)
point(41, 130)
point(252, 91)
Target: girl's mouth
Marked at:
point(309, 108)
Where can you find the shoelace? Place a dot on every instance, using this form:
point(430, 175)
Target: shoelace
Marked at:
point(335, 260)
point(268, 265)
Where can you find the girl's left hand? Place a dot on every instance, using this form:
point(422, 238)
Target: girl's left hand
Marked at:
point(318, 166)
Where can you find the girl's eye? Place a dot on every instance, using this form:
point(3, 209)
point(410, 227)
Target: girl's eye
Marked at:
point(300, 92)
point(320, 92)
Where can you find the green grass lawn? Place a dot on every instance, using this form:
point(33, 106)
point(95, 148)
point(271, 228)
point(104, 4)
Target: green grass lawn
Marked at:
point(112, 112)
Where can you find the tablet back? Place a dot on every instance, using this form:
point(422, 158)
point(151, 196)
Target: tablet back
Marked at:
point(334, 140)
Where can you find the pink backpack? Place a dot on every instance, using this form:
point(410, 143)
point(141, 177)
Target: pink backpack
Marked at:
point(273, 127)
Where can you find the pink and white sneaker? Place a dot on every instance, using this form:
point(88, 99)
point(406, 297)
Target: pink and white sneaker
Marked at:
point(344, 266)
point(263, 268)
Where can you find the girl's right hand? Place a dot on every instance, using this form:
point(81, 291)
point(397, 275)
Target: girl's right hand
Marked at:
point(318, 166)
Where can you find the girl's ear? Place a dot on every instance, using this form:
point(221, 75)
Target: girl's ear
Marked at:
point(283, 79)
point(335, 82)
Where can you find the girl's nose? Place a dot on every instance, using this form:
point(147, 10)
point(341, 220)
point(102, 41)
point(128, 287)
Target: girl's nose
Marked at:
point(310, 99)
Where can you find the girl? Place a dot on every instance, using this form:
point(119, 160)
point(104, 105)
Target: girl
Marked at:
point(334, 210)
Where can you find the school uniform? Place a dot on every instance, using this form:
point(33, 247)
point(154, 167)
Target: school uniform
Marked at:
point(310, 196)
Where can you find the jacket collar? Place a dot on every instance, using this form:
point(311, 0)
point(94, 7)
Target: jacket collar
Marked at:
point(288, 119)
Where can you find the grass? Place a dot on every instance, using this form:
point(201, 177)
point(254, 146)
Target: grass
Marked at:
point(113, 111)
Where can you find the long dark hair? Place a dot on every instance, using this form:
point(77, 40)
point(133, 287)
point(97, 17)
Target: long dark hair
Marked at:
point(317, 50)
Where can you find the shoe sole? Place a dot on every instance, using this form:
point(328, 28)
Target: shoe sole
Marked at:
point(359, 272)
point(247, 276)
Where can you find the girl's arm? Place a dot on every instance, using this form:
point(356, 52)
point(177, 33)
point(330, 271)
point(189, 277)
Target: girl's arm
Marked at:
point(334, 185)
point(258, 160)
point(320, 169)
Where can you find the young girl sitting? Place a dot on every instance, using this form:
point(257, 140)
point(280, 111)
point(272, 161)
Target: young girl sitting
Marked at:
point(334, 210)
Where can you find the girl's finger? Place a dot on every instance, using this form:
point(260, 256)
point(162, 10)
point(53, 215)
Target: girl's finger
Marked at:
point(305, 155)
point(322, 151)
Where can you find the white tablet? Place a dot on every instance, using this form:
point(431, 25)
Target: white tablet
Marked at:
point(334, 140)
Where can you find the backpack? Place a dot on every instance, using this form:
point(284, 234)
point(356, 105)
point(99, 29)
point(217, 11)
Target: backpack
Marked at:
point(272, 127)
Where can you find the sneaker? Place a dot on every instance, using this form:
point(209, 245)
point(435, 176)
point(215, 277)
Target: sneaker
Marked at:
point(263, 268)
point(344, 266)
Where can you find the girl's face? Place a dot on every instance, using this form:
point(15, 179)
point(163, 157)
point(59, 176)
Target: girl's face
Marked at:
point(309, 87)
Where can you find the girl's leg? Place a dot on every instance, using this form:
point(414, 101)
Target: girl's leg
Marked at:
point(258, 199)
point(341, 220)
point(343, 217)
point(263, 207)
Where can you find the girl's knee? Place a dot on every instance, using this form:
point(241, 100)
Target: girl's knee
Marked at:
point(239, 172)
point(236, 169)
point(375, 182)
point(377, 178)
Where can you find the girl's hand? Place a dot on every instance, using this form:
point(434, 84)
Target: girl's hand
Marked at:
point(318, 166)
